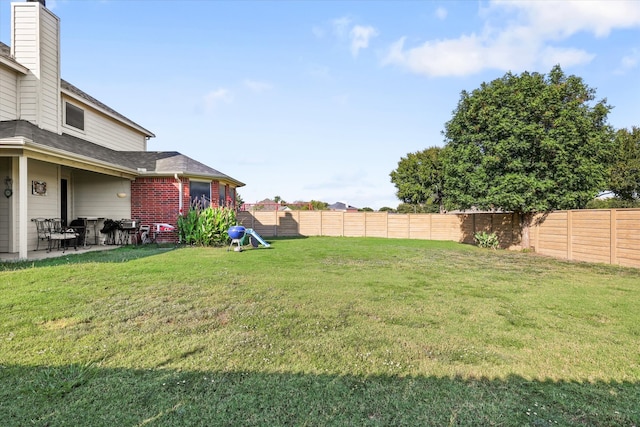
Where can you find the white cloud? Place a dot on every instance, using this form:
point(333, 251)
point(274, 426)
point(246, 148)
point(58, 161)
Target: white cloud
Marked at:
point(341, 26)
point(567, 57)
point(319, 72)
point(214, 97)
point(441, 13)
point(629, 62)
point(257, 86)
point(360, 37)
point(318, 31)
point(524, 39)
point(345, 31)
point(455, 57)
point(565, 18)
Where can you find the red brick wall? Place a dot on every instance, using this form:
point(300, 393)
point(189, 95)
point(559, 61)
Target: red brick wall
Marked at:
point(215, 187)
point(156, 200)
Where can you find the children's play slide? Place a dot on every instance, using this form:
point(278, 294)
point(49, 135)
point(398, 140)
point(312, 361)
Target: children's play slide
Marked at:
point(253, 235)
point(241, 236)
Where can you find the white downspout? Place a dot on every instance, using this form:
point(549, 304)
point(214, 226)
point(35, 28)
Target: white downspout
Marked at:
point(180, 206)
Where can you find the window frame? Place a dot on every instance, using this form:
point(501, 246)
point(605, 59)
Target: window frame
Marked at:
point(199, 191)
point(73, 123)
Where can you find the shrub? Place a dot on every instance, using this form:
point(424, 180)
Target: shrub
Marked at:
point(206, 227)
point(486, 240)
point(612, 203)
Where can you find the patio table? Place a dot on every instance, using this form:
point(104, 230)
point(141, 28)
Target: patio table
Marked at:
point(90, 222)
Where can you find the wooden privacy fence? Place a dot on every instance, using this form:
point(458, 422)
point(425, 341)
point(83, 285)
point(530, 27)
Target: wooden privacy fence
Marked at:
point(603, 235)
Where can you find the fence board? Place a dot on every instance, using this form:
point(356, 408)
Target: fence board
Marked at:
point(310, 224)
point(420, 226)
point(332, 223)
point(398, 226)
point(288, 223)
point(355, 225)
point(376, 224)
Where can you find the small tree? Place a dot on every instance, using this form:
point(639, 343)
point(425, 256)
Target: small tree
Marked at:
point(419, 178)
point(239, 200)
point(526, 144)
point(624, 175)
point(318, 205)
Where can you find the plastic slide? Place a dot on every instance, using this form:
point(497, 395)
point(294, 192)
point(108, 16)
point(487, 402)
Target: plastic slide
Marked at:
point(250, 232)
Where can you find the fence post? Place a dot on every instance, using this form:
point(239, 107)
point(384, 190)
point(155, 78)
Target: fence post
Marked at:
point(387, 226)
point(473, 224)
point(537, 222)
point(613, 237)
point(569, 233)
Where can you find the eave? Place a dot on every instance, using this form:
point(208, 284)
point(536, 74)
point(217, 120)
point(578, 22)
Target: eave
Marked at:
point(13, 65)
point(222, 178)
point(22, 146)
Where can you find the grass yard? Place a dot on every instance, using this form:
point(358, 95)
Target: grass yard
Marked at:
point(316, 332)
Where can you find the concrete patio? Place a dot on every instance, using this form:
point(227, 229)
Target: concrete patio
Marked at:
point(56, 253)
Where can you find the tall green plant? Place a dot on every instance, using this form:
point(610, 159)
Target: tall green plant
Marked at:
point(206, 227)
point(187, 226)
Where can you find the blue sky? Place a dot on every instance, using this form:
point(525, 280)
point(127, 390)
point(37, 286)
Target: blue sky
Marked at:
point(321, 99)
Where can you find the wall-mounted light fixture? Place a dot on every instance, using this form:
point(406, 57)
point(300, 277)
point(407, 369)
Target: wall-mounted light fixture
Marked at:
point(8, 183)
point(123, 190)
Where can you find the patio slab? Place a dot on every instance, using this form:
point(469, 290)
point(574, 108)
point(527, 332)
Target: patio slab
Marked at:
point(43, 254)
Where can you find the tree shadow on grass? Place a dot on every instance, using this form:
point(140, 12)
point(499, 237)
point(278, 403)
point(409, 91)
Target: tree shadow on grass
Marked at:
point(93, 396)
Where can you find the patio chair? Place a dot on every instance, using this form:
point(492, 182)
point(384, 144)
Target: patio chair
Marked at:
point(61, 235)
point(145, 234)
point(42, 228)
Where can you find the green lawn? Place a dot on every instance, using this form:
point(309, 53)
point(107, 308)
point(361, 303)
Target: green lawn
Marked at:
point(318, 331)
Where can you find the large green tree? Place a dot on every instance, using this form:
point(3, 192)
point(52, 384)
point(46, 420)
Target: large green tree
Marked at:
point(419, 178)
point(624, 178)
point(527, 143)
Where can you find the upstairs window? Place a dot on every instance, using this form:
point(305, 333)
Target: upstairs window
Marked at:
point(74, 116)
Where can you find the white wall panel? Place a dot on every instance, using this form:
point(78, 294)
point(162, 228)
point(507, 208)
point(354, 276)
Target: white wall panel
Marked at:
point(5, 214)
point(94, 195)
point(8, 95)
point(47, 206)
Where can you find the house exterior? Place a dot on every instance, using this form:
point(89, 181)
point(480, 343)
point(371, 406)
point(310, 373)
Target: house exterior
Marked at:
point(65, 154)
point(342, 207)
